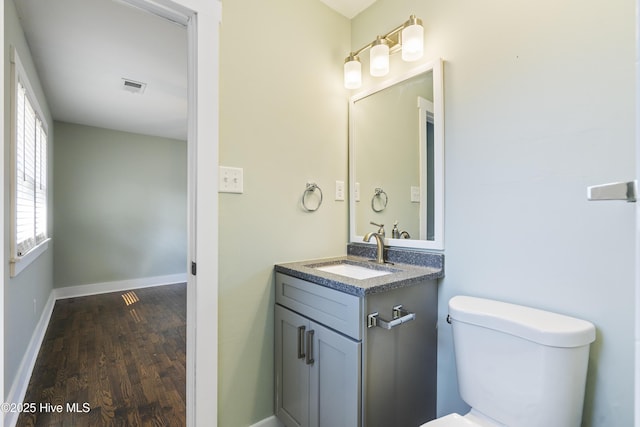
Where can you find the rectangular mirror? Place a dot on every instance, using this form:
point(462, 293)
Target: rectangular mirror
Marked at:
point(396, 159)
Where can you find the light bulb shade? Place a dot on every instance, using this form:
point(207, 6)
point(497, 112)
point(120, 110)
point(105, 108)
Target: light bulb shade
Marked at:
point(352, 73)
point(412, 42)
point(379, 58)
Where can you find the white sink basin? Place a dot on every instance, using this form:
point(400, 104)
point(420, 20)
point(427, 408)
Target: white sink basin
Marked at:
point(352, 271)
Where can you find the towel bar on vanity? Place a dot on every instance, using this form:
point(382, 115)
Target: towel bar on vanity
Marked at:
point(400, 316)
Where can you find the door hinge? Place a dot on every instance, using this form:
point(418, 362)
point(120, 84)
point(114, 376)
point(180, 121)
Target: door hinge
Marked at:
point(193, 268)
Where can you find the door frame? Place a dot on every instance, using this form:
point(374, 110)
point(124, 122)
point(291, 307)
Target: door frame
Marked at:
point(637, 228)
point(3, 256)
point(203, 19)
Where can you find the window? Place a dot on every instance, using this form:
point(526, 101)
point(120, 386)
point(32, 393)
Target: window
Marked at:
point(29, 173)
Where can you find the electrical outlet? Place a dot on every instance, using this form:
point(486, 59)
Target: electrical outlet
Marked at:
point(230, 180)
point(340, 190)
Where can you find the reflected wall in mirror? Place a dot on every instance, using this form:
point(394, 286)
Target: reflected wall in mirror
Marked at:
point(396, 160)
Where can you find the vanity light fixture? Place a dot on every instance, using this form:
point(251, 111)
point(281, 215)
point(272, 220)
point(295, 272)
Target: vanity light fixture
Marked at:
point(412, 39)
point(379, 58)
point(352, 72)
point(409, 37)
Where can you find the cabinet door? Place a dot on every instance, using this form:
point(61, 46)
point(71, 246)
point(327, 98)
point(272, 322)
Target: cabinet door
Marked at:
point(292, 372)
point(335, 379)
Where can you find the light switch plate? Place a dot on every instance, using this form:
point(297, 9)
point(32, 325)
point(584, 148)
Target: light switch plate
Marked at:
point(340, 190)
point(356, 195)
point(230, 180)
point(415, 194)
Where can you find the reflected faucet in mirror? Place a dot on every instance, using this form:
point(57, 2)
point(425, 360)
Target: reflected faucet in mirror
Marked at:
point(397, 234)
point(403, 115)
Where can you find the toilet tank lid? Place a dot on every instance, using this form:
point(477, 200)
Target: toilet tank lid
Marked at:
point(536, 325)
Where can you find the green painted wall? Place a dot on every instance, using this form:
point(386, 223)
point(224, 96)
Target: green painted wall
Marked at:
point(283, 118)
point(120, 205)
point(26, 294)
point(539, 104)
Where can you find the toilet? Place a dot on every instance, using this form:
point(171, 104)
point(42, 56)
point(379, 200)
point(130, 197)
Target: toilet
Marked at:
point(517, 366)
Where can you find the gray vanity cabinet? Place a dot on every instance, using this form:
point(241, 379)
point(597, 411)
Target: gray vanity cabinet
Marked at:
point(292, 371)
point(317, 368)
point(332, 370)
point(317, 373)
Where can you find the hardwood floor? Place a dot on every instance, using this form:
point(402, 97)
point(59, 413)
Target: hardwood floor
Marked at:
point(114, 359)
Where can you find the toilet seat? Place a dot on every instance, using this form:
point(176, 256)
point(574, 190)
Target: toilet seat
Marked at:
point(451, 420)
point(472, 419)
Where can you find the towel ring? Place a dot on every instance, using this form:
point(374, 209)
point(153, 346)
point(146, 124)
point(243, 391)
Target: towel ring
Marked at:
point(311, 189)
point(379, 194)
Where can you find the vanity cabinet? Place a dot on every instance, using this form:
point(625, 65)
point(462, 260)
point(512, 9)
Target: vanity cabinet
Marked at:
point(318, 375)
point(332, 370)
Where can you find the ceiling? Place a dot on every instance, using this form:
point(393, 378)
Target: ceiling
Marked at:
point(83, 49)
point(348, 8)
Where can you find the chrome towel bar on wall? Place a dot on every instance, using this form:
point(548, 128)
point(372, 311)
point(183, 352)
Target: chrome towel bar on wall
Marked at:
point(613, 191)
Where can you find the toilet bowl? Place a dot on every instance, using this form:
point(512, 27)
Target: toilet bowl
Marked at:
point(511, 361)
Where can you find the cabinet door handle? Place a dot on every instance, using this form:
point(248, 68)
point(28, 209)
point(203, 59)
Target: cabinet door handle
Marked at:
point(301, 342)
point(310, 360)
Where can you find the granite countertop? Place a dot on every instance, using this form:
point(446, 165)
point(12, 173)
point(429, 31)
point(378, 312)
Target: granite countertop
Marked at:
point(402, 274)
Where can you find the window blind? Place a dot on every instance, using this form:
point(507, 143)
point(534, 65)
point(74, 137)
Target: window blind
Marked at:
point(31, 176)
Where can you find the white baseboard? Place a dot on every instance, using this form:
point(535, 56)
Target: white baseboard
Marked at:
point(120, 285)
point(21, 382)
point(272, 421)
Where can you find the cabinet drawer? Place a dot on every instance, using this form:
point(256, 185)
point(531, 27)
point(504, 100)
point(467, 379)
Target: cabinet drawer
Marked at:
point(329, 307)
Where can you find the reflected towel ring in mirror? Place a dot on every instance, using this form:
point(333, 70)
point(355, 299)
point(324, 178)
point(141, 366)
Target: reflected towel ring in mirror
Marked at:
point(310, 190)
point(382, 196)
point(383, 119)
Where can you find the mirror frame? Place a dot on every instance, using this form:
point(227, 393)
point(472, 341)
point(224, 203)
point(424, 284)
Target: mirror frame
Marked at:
point(438, 106)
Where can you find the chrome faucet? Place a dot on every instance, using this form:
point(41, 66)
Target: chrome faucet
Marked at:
point(379, 245)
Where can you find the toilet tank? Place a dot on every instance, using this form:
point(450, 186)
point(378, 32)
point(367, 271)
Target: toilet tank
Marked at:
point(518, 365)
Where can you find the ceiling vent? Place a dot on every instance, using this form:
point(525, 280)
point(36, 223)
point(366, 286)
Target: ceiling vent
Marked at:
point(133, 86)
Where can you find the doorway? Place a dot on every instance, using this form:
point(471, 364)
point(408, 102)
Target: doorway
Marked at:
point(201, 18)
